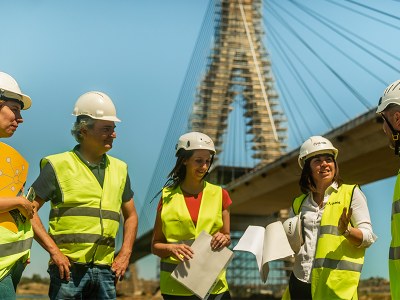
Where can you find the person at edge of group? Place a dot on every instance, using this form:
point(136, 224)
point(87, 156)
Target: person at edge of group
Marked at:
point(336, 227)
point(14, 246)
point(389, 109)
point(189, 204)
point(87, 190)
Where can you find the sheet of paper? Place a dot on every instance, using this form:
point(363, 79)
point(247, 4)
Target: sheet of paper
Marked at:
point(252, 241)
point(266, 244)
point(200, 273)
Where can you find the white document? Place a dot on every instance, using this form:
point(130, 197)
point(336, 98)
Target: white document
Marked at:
point(200, 273)
point(267, 244)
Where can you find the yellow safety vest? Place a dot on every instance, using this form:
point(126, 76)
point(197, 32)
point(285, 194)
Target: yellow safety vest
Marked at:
point(14, 246)
point(85, 222)
point(337, 263)
point(177, 226)
point(394, 252)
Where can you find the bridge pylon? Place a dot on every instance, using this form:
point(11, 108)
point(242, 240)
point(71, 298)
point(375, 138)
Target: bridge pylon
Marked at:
point(238, 66)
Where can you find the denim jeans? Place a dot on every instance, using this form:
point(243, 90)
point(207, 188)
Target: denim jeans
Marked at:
point(8, 285)
point(94, 282)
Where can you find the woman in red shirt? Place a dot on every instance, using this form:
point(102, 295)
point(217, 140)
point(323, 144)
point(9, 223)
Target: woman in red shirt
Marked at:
point(189, 204)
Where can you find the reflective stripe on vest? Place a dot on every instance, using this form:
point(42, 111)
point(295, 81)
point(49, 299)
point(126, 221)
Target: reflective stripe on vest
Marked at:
point(84, 212)
point(85, 222)
point(337, 263)
point(14, 246)
point(177, 226)
point(394, 251)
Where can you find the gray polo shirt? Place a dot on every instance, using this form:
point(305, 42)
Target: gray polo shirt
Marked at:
point(47, 188)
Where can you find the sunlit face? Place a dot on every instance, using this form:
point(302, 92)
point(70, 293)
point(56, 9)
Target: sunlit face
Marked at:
point(10, 118)
point(198, 164)
point(101, 136)
point(323, 168)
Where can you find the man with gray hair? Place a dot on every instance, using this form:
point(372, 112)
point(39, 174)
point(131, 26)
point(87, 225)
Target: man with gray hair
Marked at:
point(87, 190)
point(389, 109)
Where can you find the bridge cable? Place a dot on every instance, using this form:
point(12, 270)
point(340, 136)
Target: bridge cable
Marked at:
point(374, 9)
point(318, 17)
point(289, 64)
point(322, 86)
point(335, 47)
point(255, 61)
point(178, 124)
point(365, 15)
point(284, 89)
point(336, 74)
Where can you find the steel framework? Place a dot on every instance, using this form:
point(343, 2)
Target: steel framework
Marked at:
point(238, 67)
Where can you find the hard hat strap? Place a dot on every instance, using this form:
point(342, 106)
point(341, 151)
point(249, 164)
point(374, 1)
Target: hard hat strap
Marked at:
point(395, 135)
point(211, 161)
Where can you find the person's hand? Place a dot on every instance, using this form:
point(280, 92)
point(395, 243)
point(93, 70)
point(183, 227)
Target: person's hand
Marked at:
point(26, 208)
point(220, 240)
point(119, 266)
point(344, 220)
point(180, 251)
point(62, 263)
point(27, 262)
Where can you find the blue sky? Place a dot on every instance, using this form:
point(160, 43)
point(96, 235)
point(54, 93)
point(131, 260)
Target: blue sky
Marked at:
point(138, 53)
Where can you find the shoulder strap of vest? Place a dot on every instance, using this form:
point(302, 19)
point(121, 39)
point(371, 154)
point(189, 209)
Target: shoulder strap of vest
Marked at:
point(298, 202)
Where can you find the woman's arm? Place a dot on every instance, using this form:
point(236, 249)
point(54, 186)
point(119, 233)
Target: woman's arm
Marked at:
point(161, 248)
point(20, 203)
point(360, 234)
point(223, 237)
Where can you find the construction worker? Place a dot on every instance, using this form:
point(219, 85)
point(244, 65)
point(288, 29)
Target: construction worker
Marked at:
point(197, 205)
point(87, 189)
point(336, 225)
point(16, 233)
point(389, 109)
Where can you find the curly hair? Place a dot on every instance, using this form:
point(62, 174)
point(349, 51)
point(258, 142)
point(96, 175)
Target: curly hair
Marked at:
point(81, 123)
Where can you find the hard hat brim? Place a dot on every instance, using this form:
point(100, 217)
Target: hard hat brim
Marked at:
point(25, 99)
point(385, 102)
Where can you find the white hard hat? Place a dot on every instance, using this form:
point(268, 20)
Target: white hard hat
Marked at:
point(9, 90)
point(390, 95)
point(195, 141)
point(313, 146)
point(96, 105)
point(294, 232)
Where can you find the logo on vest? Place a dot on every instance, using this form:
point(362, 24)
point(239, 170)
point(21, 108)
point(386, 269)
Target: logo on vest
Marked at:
point(333, 203)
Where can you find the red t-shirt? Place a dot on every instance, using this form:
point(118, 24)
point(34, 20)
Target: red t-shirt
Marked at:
point(193, 203)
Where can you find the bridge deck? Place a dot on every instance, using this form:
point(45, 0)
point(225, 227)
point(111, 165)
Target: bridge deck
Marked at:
point(364, 157)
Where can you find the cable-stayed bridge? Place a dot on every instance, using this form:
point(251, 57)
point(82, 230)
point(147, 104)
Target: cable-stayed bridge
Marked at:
point(264, 76)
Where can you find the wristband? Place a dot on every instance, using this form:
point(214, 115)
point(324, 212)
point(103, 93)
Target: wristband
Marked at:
point(346, 233)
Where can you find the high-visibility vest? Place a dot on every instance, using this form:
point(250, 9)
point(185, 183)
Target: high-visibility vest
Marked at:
point(345, 261)
point(14, 246)
point(177, 226)
point(85, 221)
point(337, 263)
point(394, 252)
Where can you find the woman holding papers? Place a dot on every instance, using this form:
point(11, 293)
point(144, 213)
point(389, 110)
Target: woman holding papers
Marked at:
point(15, 231)
point(336, 227)
point(188, 206)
